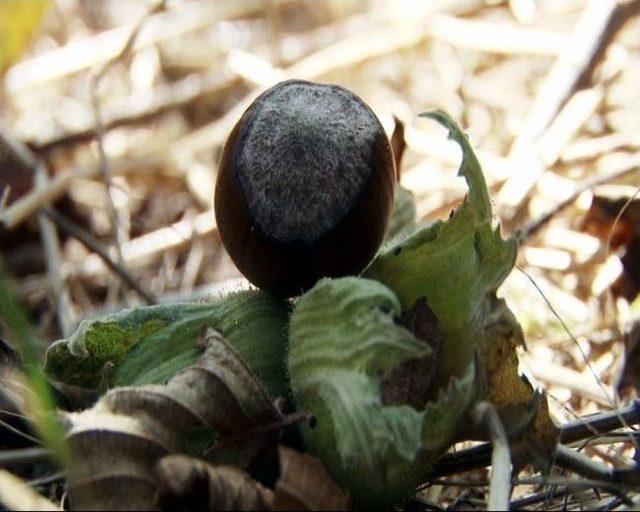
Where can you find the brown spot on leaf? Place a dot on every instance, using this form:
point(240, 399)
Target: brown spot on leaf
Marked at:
point(409, 382)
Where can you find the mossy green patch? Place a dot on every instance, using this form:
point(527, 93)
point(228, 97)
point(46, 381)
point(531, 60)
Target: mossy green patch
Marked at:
point(148, 345)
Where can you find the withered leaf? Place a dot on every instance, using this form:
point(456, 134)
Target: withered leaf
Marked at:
point(305, 484)
point(629, 379)
point(599, 220)
point(522, 409)
point(616, 220)
point(187, 483)
point(398, 144)
point(403, 219)
point(409, 382)
point(538, 442)
point(117, 443)
point(627, 285)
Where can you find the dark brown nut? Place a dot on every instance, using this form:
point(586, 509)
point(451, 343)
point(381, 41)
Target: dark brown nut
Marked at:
point(305, 187)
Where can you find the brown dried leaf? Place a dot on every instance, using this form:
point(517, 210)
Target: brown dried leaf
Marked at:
point(629, 380)
point(186, 483)
point(305, 484)
point(628, 284)
point(522, 409)
point(538, 442)
point(398, 144)
point(503, 335)
point(623, 232)
point(117, 443)
point(602, 214)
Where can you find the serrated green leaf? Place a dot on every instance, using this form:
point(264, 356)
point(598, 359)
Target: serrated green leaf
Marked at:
point(148, 345)
point(453, 263)
point(403, 218)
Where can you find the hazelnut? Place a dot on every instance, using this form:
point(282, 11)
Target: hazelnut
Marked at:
point(305, 187)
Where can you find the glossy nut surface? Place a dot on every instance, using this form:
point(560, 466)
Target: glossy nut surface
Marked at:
point(305, 187)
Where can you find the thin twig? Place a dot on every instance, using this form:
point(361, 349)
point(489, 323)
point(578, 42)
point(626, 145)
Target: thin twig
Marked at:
point(4, 198)
point(561, 81)
point(591, 148)
point(18, 432)
point(88, 241)
point(174, 237)
point(500, 484)
point(51, 243)
point(93, 51)
point(476, 34)
point(613, 227)
point(538, 497)
point(557, 375)
point(143, 106)
point(570, 334)
point(480, 456)
point(134, 32)
point(30, 161)
point(531, 228)
point(613, 399)
point(575, 485)
point(105, 173)
point(117, 232)
point(623, 12)
point(23, 456)
point(7, 353)
point(582, 465)
point(29, 204)
point(346, 52)
point(47, 479)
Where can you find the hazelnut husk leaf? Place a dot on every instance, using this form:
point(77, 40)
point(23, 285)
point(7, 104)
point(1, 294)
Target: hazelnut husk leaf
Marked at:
point(457, 264)
point(150, 344)
point(343, 343)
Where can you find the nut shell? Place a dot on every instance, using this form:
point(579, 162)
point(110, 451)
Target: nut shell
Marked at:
point(305, 187)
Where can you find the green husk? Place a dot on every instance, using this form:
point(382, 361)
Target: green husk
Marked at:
point(403, 219)
point(148, 345)
point(343, 340)
point(455, 264)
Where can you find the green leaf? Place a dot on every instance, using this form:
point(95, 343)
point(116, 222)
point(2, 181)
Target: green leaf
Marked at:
point(148, 345)
point(343, 341)
point(403, 218)
point(453, 263)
